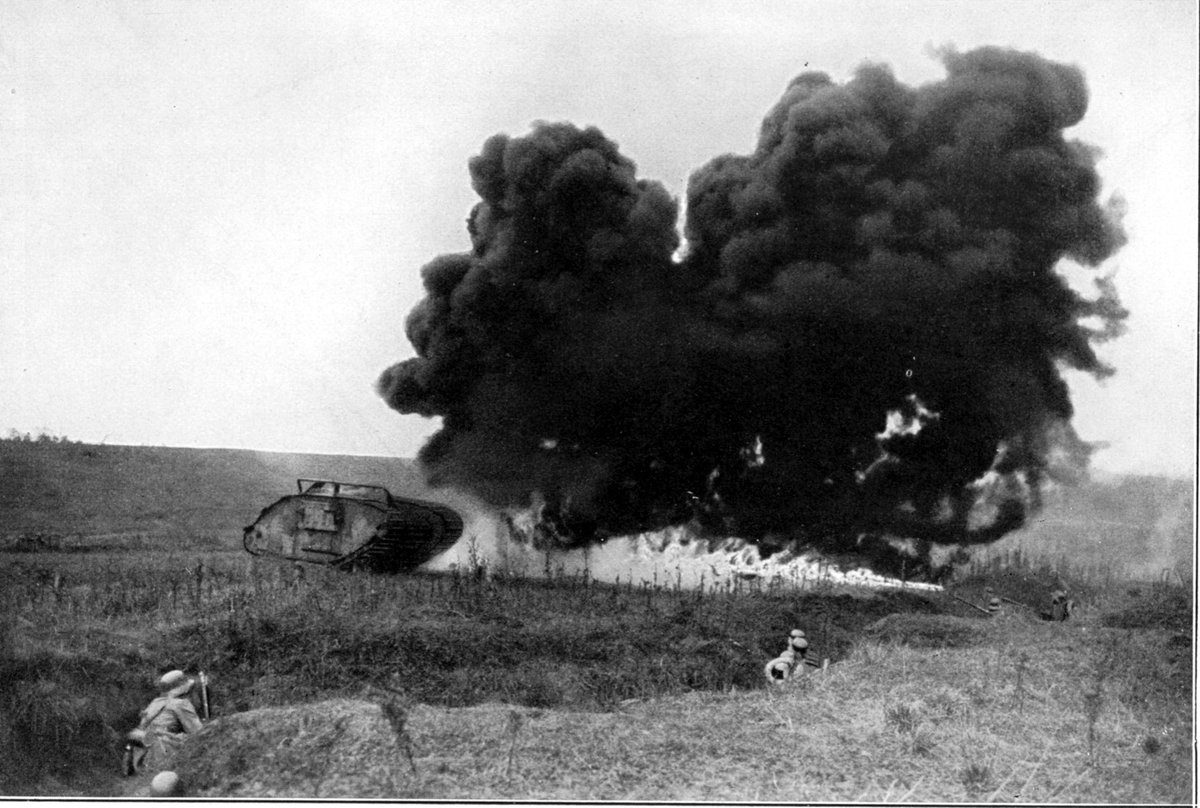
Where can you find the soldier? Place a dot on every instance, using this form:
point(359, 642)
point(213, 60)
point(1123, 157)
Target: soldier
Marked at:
point(168, 719)
point(779, 669)
point(792, 661)
point(798, 645)
point(1060, 606)
point(993, 606)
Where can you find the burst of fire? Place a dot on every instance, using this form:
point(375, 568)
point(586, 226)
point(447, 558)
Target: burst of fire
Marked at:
point(678, 557)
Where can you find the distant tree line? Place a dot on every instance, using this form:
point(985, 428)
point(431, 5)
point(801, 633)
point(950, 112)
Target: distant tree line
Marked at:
point(43, 436)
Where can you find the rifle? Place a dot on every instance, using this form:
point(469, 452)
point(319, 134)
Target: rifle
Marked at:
point(969, 603)
point(1016, 603)
point(204, 694)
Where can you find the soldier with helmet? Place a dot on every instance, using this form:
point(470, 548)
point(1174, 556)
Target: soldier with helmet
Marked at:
point(793, 660)
point(164, 724)
point(1061, 606)
point(779, 669)
point(798, 645)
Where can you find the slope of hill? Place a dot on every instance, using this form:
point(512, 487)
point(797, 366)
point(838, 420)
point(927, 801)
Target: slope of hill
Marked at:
point(1142, 525)
point(80, 488)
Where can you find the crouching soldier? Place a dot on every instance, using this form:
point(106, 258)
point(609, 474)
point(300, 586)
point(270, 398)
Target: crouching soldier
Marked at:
point(165, 722)
point(779, 669)
point(798, 645)
point(792, 662)
point(1060, 607)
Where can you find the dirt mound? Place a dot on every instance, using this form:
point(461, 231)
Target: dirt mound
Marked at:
point(1033, 588)
point(60, 711)
point(337, 748)
point(1167, 608)
point(929, 630)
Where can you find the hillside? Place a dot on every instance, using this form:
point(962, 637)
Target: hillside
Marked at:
point(503, 687)
point(81, 488)
point(459, 686)
point(1144, 524)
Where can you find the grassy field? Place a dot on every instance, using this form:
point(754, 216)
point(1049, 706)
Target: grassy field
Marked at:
point(478, 686)
point(472, 684)
point(62, 492)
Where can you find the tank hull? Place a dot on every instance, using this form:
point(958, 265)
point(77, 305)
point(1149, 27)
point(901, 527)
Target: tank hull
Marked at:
point(352, 526)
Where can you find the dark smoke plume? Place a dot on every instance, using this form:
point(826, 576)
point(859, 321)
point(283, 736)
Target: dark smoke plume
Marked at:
point(863, 341)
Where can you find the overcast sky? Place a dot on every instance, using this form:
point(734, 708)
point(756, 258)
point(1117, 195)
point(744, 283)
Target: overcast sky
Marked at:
point(213, 214)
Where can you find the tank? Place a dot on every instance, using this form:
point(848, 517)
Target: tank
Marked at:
point(352, 526)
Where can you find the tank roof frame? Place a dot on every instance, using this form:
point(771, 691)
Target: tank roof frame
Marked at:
point(338, 486)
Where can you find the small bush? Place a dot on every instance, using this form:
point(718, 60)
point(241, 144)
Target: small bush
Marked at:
point(904, 718)
point(921, 741)
point(944, 703)
point(976, 778)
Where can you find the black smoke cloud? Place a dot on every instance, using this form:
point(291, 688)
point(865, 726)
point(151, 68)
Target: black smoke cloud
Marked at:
point(885, 249)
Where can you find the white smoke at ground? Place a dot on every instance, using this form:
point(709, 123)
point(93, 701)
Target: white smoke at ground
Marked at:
point(670, 558)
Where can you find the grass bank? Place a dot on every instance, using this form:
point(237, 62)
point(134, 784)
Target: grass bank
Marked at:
point(889, 723)
point(565, 688)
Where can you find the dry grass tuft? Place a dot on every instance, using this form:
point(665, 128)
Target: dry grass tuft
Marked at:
point(976, 779)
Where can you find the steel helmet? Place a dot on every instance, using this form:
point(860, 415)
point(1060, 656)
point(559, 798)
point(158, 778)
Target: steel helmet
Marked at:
point(164, 784)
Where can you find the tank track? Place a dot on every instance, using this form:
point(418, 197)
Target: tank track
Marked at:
point(405, 541)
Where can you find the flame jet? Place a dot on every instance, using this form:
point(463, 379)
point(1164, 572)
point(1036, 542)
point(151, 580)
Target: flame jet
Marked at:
point(885, 251)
